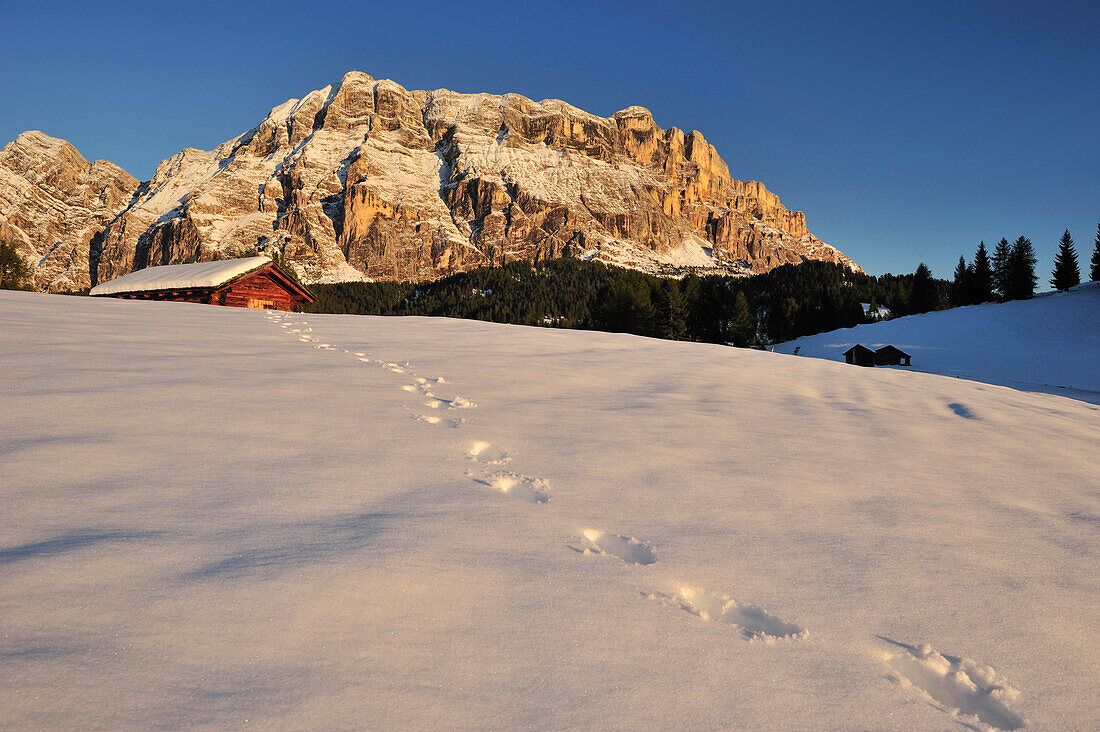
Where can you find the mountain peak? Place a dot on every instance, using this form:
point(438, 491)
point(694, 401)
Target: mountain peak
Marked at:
point(367, 179)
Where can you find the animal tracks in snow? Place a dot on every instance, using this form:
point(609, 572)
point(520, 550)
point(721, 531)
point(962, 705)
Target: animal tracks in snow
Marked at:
point(959, 685)
point(754, 622)
point(441, 421)
point(435, 402)
point(626, 548)
point(423, 385)
point(487, 454)
point(524, 487)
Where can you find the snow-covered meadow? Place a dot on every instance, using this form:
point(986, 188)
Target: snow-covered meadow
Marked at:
point(1049, 344)
point(226, 518)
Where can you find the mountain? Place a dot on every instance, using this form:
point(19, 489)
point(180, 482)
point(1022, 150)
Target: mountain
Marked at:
point(55, 206)
point(366, 179)
point(311, 521)
point(1050, 343)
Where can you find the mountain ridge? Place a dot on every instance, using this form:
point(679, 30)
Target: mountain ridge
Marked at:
point(368, 180)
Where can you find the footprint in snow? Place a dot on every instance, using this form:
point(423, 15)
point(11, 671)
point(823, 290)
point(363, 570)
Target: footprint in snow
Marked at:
point(754, 622)
point(453, 422)
point(458, 402)
point(421, 385)
point(523, 487)
point(957, 685)
point(487, 454)
point(626, 548)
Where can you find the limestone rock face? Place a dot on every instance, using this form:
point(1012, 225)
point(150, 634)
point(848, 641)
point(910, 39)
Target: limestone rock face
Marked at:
point(53, 203)
point(368, 180)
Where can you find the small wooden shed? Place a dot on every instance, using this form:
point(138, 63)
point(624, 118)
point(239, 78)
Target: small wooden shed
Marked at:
point(891, 356)
point(860, 356)
point(252, 282)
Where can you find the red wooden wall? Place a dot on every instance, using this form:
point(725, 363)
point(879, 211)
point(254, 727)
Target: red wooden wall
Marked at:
point(261, 290)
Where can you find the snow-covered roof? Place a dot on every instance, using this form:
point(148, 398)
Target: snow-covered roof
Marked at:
point(176, 276)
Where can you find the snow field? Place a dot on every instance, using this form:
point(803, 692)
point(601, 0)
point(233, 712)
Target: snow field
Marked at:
point(323, 559)
point(1048, 344)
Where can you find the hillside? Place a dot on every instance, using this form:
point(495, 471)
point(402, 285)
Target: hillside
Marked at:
point(231, 517)
point(365, 179)
point(1050, 343)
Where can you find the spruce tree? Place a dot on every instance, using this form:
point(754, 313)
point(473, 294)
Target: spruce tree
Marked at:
point(1021, 270)
point(960, 287)
point(1094, 270)
point(1001, 255)
point(1066, 273)
point(671, 315)
point(742, 324)
point(625, 308)
point(982, 277)
point(923, 297)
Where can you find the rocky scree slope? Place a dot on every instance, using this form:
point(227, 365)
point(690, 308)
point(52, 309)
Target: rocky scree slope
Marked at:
point(368, 180)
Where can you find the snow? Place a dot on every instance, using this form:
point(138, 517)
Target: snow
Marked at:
point(879, 313)
point(171, 276)
point(693, 255)
point(220, 517)
point(694, 252)
point(1048, 344)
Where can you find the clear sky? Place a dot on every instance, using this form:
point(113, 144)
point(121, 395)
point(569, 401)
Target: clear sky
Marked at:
point(907, 131)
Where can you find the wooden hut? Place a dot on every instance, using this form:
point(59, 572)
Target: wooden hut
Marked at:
point(891, 356)
point(860, 356)
point(253, 282)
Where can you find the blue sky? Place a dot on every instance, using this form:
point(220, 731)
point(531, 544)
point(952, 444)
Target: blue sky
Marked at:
point(907, 131)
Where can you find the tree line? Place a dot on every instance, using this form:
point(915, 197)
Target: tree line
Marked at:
point(1009, 274)
point(787, 302)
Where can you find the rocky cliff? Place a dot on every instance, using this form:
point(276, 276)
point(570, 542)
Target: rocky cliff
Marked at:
point(366, 179)
point(54, 204)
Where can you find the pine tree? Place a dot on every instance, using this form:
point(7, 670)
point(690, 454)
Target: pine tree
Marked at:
point(742, 325)
point(982, 278)
point(1094, 270)
point(961, 286)
point(670, 311)
point(1066, 273)
point(1021, 270)
point(626, 307)
point(923, 297)
point(1001, 255)
point(15, 273)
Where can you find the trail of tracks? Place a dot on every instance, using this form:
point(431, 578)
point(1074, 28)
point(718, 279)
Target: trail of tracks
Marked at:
point(957, 686)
